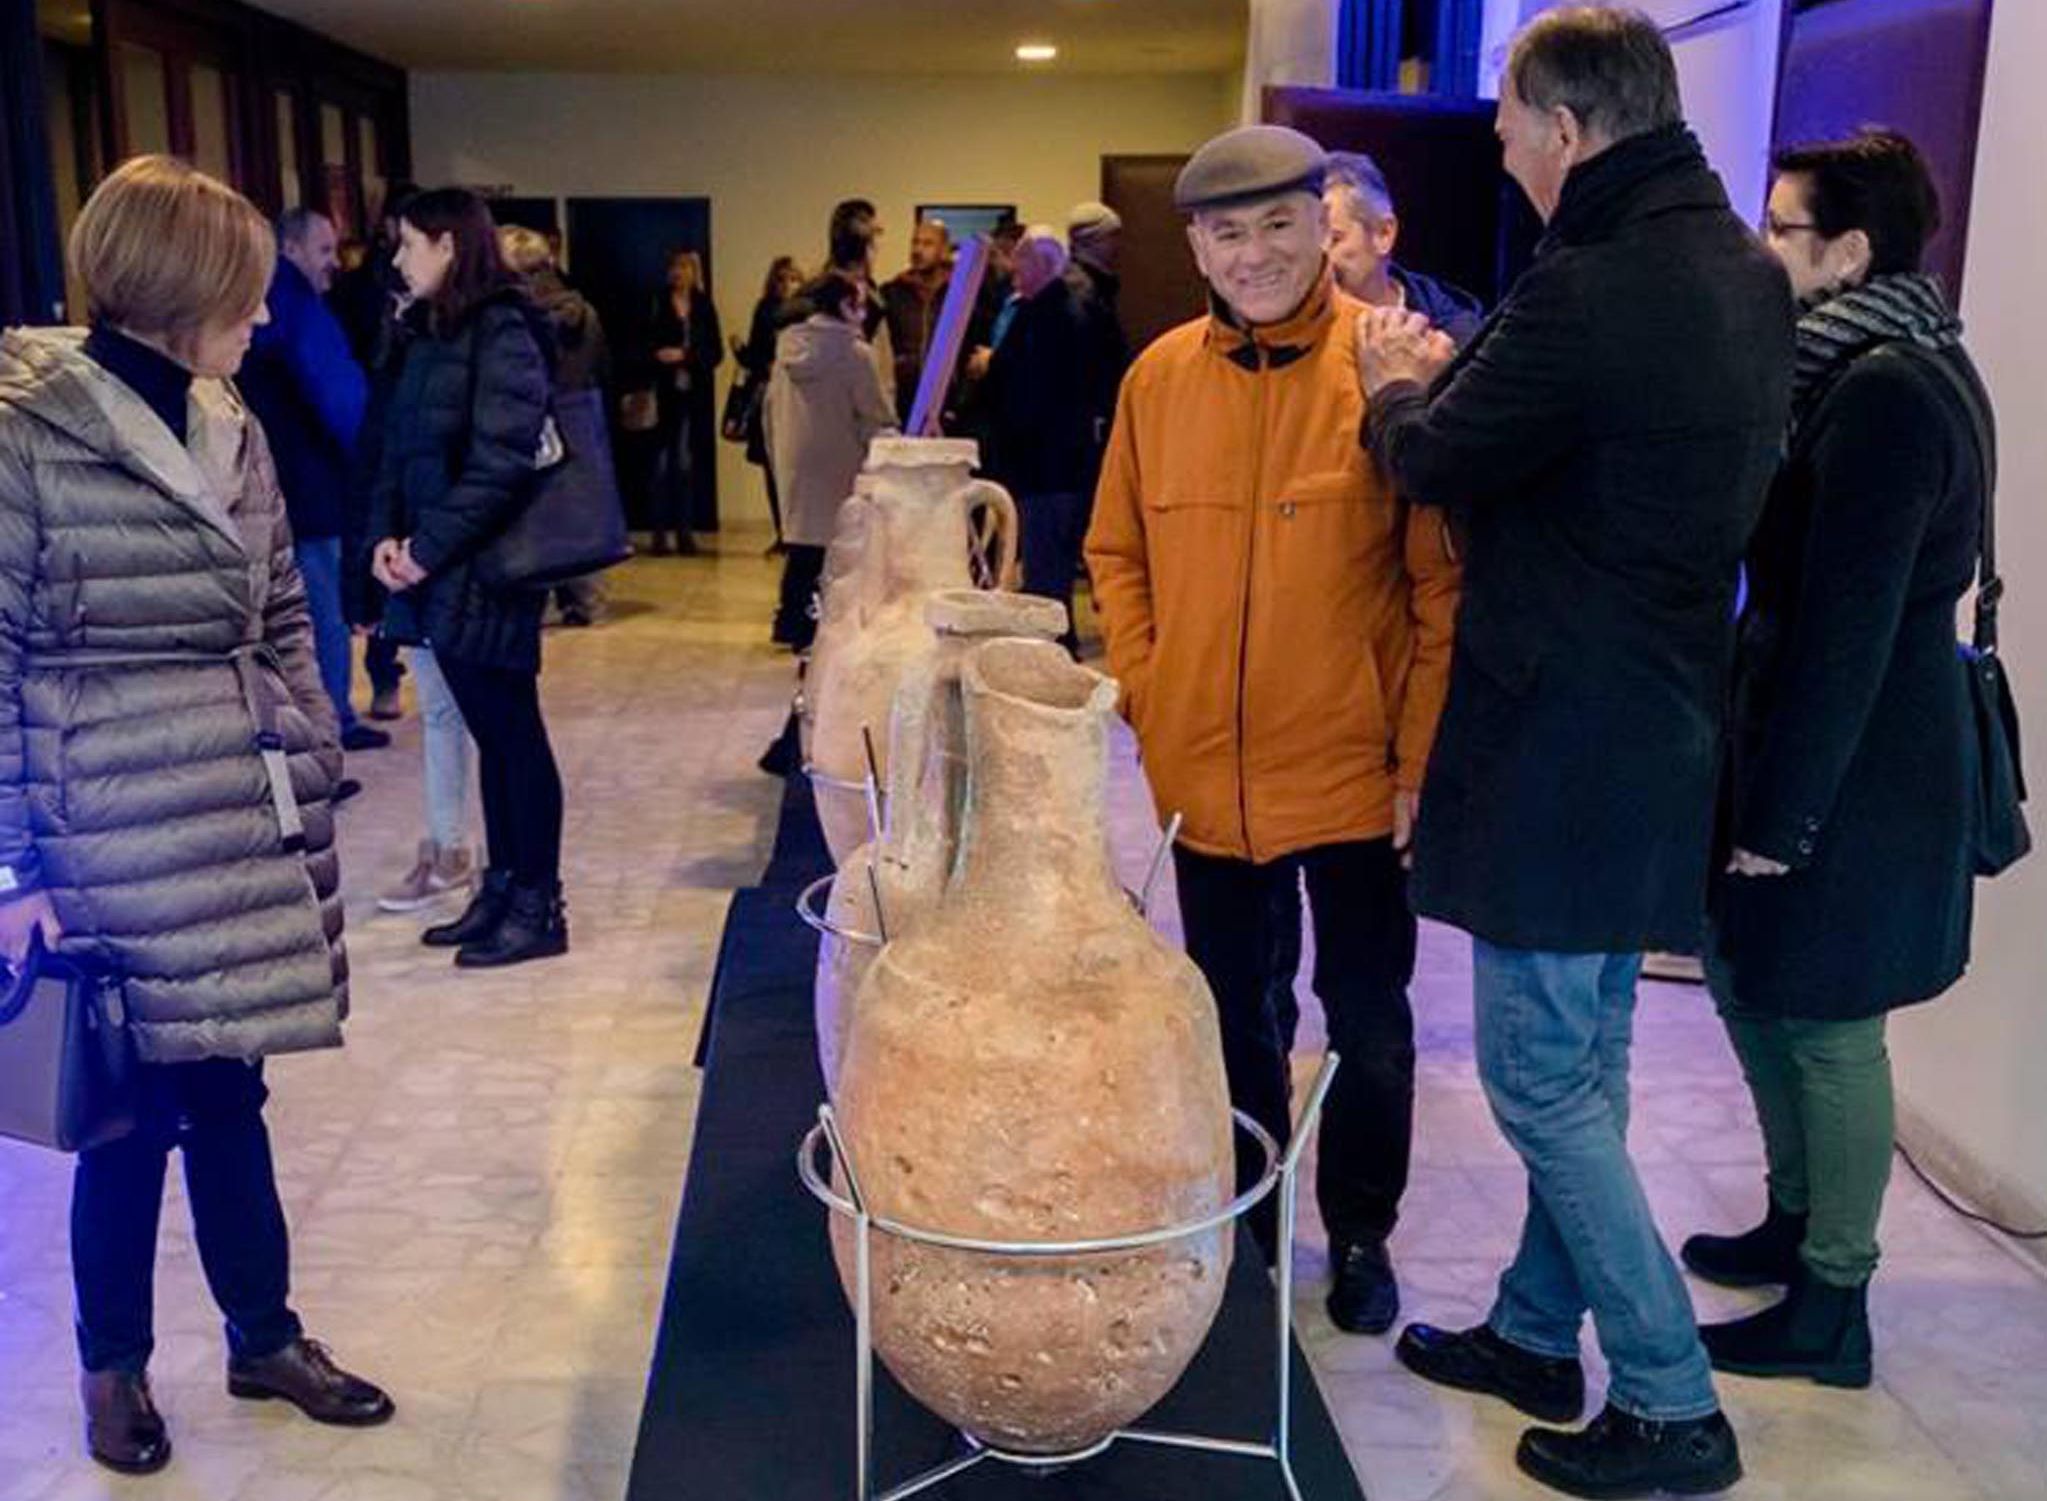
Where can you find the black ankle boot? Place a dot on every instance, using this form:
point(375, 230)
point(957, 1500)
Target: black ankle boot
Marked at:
point(1755, 1258)
point(1819, 1331)
point(479, 919)
point(1618, 1456)
point(535, 926)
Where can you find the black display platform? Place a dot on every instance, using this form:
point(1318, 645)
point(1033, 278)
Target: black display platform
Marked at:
point(751, 1393)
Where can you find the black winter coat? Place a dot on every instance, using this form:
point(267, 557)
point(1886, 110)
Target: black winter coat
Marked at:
point(1040, 398)
point(1852, 759)
point(1607, 440)
point(458, 445)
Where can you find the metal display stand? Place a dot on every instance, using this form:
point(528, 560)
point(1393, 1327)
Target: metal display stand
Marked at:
point(1281, 1174)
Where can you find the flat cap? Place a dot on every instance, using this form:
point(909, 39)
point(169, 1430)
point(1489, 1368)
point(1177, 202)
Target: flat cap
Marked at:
point(1086, 220)
point(1249, 163)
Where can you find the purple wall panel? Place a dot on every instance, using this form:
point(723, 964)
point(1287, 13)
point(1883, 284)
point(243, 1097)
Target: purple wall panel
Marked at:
point(1912, 65)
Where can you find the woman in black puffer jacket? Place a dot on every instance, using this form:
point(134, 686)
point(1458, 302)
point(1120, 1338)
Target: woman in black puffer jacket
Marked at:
point(459, 442)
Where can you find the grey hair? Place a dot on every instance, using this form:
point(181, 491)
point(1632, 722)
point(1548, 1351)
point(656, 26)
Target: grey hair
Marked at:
point(1358, 175)
point(294, 223)
point(1608, 65)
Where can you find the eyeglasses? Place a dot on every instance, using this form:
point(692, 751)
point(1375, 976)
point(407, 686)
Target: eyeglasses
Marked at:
point(1772, 225)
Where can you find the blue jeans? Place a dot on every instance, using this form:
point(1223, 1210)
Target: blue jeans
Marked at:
point(320, 566)
point(1553, 1038)
point(445, 739)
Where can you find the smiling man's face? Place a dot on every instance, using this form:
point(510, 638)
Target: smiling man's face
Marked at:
point(1262, 258)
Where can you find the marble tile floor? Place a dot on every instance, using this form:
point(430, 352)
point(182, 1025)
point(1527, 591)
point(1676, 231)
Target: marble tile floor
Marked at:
point(482, 1186)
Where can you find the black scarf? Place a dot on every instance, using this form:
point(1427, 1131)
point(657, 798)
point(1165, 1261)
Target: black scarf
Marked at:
point(161, 382)
point(1904, 308)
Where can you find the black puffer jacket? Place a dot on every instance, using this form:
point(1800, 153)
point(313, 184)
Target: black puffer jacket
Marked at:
point(458, 444)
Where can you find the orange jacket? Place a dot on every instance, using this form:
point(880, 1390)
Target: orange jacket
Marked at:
point(1279, 620)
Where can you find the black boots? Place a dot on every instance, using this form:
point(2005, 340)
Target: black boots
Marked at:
point(1756, 1258)
point(479, 919)
point(1819, 1331)
point(1478, 1360)
point(123, 1429)
point(505, 923)
point(1616, 1457)
point(535, 925)
point(1364, 1298)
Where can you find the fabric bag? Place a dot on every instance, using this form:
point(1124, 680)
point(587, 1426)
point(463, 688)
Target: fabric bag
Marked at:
point(572, 522)
point(67, 1064)
point(2001, 838)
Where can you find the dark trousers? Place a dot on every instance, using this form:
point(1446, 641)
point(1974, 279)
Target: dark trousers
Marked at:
point(522, 789)
point(1364, 961)
point(795, 621)
point(214, 1112)
point(380, 661)
point(1054, 527)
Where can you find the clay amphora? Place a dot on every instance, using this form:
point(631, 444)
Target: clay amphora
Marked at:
point(926, 796)
point(916, 542)
point(1033, 1063)
point(843, 592)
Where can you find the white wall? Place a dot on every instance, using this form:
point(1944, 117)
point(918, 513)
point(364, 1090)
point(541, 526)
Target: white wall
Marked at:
point(774, 153)
point(1728, 72)
point(1972, 1069)
point(1288, 42)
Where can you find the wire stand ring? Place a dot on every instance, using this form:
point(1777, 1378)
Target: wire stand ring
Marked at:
point(1281, 1176)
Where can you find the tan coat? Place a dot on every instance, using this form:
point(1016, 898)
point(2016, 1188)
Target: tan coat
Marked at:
point(1279, 619)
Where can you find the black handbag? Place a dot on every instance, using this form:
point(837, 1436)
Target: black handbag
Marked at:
point(67, 1064)
point(572, 522)
point(2000, 836)
point(742, 410)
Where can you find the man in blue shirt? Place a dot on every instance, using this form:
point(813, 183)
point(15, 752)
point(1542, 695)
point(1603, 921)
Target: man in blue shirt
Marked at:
point(310, 394)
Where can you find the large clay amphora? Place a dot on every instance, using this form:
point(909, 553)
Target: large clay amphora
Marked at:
point(844, 593)
point(917, 541)
point(1034, 1064)
point(907, 869)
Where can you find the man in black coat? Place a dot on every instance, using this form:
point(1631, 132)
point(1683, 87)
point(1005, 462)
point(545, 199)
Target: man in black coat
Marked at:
point(1039, 399)
point(1607, 439)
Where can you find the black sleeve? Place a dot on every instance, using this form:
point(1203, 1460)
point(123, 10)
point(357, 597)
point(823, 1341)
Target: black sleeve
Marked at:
point(1507, 408)
point(1881, 466)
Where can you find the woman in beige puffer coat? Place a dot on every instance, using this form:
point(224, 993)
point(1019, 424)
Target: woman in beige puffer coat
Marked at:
point(167, 763)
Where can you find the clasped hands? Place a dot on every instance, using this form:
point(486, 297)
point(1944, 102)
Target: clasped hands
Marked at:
point(1395, 345)
point(393, 566)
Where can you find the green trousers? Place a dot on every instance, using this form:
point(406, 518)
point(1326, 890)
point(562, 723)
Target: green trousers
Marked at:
point(1823, 1095)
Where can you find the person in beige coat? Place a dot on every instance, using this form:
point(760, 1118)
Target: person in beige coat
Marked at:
point(168, 760)
point(825, 403)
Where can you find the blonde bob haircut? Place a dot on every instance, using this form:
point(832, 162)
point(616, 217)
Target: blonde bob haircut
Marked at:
point(167, 252)
point(525, 250)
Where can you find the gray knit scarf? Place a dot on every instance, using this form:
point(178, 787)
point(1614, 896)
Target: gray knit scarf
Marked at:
point(1887, 310)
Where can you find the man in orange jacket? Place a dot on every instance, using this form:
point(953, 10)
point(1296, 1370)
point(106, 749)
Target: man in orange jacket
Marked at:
point(1280, 621)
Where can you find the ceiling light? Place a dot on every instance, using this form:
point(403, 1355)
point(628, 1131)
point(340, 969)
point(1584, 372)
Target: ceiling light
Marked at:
point(1036, 52)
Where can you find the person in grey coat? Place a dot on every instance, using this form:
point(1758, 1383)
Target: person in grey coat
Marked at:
point(824, 405)
point(167, 761)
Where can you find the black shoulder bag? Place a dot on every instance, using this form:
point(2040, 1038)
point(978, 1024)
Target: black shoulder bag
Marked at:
point(2001, 838)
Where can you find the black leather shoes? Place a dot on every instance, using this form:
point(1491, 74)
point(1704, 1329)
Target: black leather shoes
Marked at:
point(1478, 1360)
point(1617, 1457)
point(305, 1375)
point(1365, 1298)
point(1758, 1257)
point(123, 1429)
point(479, 919)
point(535, 926)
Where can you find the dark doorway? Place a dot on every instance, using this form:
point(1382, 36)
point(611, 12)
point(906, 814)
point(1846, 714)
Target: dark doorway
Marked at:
point(1161, 284)
point(618, 251)
point(541, 215)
